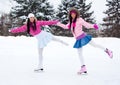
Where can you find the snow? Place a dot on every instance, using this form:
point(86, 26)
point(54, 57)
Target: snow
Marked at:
point(40, 14)
point(19, 58)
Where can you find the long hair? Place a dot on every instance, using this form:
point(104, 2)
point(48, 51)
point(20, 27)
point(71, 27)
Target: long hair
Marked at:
point(71, 19)
point(32, 25)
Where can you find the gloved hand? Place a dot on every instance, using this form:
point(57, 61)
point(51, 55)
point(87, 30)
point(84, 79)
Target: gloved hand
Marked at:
point(96, 26)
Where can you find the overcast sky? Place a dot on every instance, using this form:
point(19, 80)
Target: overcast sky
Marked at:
point(98, 7)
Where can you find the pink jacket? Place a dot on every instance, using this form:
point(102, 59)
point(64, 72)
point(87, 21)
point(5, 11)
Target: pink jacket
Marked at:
point(38, 27)
point(78, 27)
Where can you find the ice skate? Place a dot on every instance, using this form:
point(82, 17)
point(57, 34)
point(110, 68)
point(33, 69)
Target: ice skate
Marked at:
point(82, 70)
point(38, 70)
point(109, 52)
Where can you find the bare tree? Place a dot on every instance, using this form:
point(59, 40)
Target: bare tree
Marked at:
point(5, 23)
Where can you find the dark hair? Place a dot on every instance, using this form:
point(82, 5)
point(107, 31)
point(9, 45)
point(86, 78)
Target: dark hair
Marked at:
point(70, 17)
point(29, 24)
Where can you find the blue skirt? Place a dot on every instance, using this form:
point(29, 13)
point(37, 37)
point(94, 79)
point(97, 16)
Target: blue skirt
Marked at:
point(82, 41)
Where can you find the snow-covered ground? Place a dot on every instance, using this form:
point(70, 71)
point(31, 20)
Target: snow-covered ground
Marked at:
point(19, 58)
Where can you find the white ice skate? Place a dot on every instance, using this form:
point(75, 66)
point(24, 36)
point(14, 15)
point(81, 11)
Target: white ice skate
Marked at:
point(38, 70)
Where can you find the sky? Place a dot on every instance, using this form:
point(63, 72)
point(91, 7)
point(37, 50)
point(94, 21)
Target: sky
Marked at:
point(98, 7)
point(19, 58)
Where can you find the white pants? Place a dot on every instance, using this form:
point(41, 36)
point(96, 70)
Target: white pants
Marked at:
point(80, 51)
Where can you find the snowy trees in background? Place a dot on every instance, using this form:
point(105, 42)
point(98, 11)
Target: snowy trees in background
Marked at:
point(62, 14)
point(44, 11)
point(41, 8)
point(113, 13)
point(112, 19)
point(85, 11)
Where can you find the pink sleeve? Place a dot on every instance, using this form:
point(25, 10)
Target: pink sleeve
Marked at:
point(48, 22)
point(86, 24)
point(19, 29)
point(63, 26)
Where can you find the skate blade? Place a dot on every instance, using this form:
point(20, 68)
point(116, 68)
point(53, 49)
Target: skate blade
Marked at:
point(79, 73)
point(38, 71)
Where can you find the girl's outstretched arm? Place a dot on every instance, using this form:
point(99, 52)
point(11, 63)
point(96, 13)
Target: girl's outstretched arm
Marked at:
point(19, 29)
point(48, 22)
point(88, 25)
point(63, 26)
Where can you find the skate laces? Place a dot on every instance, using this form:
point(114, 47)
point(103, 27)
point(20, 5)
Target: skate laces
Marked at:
point(83, 68)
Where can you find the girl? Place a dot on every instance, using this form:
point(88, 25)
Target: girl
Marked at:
point(75, 25)
point(33, 28)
